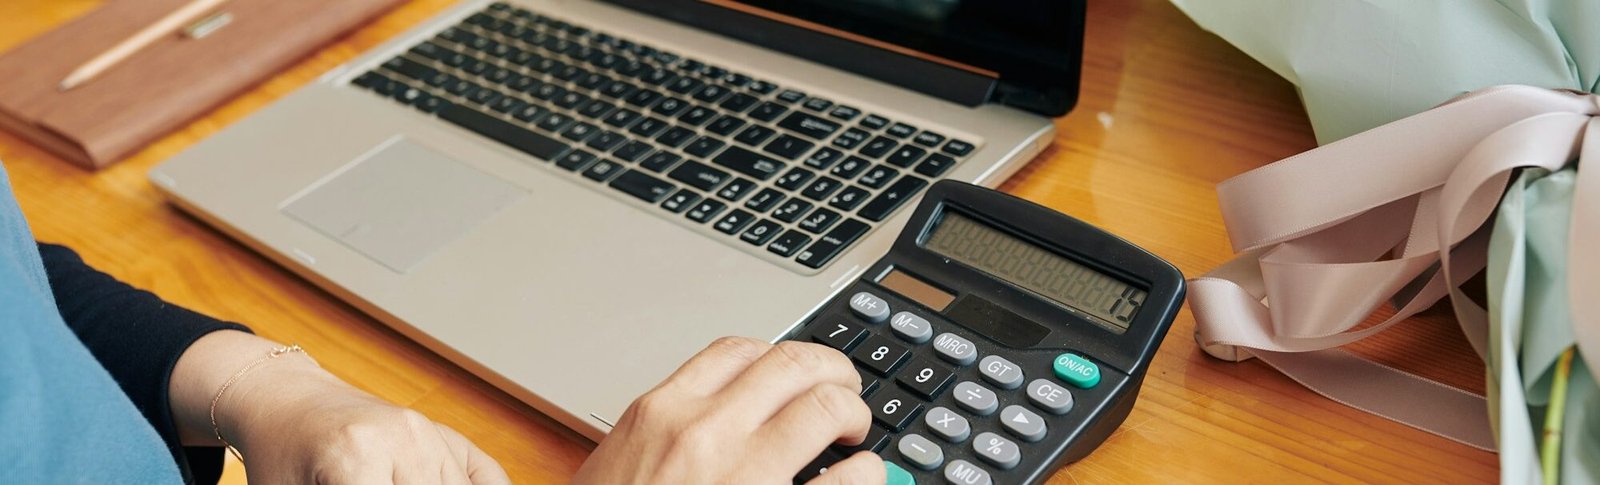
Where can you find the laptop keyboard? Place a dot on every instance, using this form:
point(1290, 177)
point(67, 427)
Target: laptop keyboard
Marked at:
point(801, 176)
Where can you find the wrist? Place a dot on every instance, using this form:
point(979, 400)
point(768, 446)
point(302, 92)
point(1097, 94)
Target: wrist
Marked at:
point(271, 397)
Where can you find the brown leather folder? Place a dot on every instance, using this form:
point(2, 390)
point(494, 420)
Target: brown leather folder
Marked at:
point(165, 84)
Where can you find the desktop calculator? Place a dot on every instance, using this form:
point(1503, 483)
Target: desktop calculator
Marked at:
point(997, 341)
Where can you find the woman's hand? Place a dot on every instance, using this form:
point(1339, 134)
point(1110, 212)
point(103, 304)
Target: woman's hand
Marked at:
point(295, 423)
point(741, 411)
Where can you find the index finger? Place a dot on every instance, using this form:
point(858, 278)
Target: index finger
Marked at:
point(713, 368)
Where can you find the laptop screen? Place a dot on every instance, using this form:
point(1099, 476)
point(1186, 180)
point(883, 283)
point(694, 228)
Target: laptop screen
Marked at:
point(983, 36)
point(1023, 53)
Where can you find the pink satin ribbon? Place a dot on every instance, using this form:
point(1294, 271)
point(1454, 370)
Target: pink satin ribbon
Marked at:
point(1396, 214)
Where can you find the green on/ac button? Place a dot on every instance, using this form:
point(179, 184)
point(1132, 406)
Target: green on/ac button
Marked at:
point(1076, 370)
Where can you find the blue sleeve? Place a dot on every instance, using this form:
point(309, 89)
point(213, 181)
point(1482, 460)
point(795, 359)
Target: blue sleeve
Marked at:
point(138, 338)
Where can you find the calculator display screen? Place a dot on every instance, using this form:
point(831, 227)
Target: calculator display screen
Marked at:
point(1102, 298)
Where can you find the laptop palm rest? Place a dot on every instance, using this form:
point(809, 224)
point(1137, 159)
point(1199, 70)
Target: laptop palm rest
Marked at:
point(401, 202)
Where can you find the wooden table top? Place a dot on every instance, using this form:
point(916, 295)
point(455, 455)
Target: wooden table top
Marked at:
point(1167, 111)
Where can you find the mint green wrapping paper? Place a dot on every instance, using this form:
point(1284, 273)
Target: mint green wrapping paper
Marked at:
point(1530, 326)
point(1363, 63)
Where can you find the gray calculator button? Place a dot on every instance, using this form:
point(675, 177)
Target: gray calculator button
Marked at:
point(1023, 423)
point(1049, 396)
point(1001, 372)
point(911, 327)
point(921, 452)
point(997, 450)
point(962, 472)
point(976, 398)
point(955, 349)
point(948, 425)
point(870, 307)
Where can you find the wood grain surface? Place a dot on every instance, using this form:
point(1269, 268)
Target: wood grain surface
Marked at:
point(1167, 111)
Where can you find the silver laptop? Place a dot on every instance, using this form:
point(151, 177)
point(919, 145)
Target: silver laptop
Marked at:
point(571, 197)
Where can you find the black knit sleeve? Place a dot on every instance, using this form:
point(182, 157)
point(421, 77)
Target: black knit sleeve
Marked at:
point(138, 338)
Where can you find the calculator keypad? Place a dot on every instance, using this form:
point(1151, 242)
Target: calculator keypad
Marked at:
point(941, 404)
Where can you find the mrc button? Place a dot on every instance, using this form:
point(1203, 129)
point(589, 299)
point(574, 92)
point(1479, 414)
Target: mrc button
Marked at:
point(1076, 370)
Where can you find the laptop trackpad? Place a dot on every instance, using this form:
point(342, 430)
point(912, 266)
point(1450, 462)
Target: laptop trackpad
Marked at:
point(401, 202)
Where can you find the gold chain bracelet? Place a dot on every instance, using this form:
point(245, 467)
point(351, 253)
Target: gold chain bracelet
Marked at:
point(275, 353)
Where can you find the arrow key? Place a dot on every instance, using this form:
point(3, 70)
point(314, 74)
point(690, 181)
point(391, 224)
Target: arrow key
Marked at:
point(1023, 423)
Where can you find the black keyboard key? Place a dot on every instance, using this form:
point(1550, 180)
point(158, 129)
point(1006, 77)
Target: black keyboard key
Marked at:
point(592, 81)
point(843, 112)
point(754, 135)
point(736, 80)
point(792, 210)
point(675, 137)
point(656, 76)
point(788, 147)
point(739, 102)
point(622, 118)
point(795, 179)
point(704, 146)
point(571, 100)
point(892, 198)
point(597, 110)
point(705, 210)
point(617, 90)
point(606, 140)
point(642, 185)
point(823, 158)
point(429, 50)
point(907, 156)
point(632, 151)
point(670, 106)
point(928, 139)
point(733, 222)
point(410, 68)
point(848, 199)
point(711, 94)
point(547, 92)
point(789, 243)
point(484, 97)
point(571, 73)
point(761, 232)
point(894, 408)
point(881, 354)
point(819, 220)
point(764, 200)
point(521, 83)
point(714, 72)
point(643, 98)
point(936, 164)
point(901, 130)
point(768, 111)
point(877, 177)
point(809, 125)
point(877, 147)
point(507, 105)
point(602, 171)
point(696, 116)
point(850, 139)
point(820, 189)
point(725, 125)
point(698, 175)
point(841, 334)
point(736, 189)
point(817, 104)
point(530, 113)
point(429, 103)
point(660, 161)
point(439, 80)
point(680, 201)
point(926, 377)
point(958, 148)
point(761, 87)
point(684, 85)
point(831, 244)
point(579, 131)
point(556, 122)
point(535, 144)
point(575, 160)
point(750, 163)
point(851, 167)
point(649, 127)
point(791, 96)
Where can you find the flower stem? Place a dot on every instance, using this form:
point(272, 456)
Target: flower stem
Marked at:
point(1551, 452)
